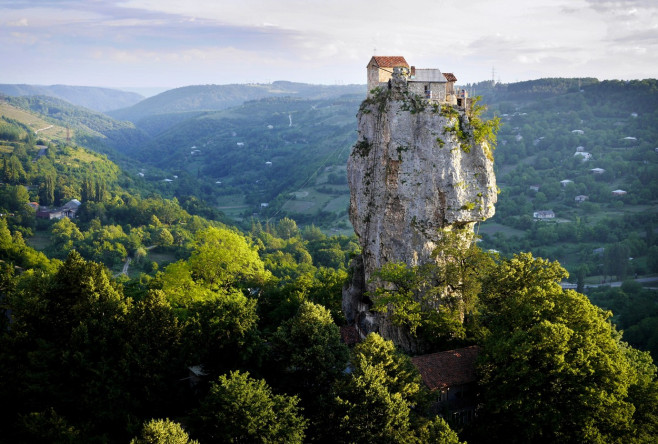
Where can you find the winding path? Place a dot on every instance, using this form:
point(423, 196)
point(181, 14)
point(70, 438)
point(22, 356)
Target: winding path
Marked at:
point(128, 261)
point(42, 129)
point(125, 267)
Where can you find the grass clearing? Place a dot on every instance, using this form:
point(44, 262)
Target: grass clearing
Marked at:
point(299, 194)
point(312, 202)
point(339, 231)
point(33, 121)
point(337, 204)
point(607, 212)
point(232, 205)
point(161, 257)
point(40, 241)
point(299, 206)
point(230, 201)
point(491, 228)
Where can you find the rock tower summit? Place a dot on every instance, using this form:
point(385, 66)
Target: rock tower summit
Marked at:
point(430, 84)
point(421, 165)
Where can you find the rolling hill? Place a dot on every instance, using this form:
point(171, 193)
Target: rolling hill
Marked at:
point(95, 98)
point(89, 128)
point(218, 97)
point(33, 121)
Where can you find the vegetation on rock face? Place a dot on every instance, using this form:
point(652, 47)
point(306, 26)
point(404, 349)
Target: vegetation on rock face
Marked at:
point(413, 103)
point(436, 302)
point(470, 129)
point(362, 148)
point(378, 97)
point(484, 131)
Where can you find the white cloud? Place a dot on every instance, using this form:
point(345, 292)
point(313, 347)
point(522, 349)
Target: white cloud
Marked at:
point(17, 23)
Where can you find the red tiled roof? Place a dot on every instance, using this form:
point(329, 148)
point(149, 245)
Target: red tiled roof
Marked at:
point(448, 368)
point(450, 77)
point(389, 61)
point(349, 335)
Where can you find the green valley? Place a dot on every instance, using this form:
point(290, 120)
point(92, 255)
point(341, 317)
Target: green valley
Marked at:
point(181, 273)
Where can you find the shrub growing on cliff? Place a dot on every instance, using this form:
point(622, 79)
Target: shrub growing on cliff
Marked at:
point(483, 130)
point(362, 148)
point(471, 129)
point(379, 97)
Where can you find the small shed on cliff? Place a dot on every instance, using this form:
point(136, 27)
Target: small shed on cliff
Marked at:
point(380, 69)
point(450, 85)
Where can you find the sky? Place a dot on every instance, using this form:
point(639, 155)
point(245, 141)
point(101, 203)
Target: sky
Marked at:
point(172, 43)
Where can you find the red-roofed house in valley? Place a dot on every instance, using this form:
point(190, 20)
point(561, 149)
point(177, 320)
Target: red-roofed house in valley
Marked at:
point(451, 374)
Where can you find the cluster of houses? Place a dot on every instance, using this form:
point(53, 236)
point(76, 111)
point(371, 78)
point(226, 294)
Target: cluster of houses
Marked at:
point(580, 152)
point(69, 209)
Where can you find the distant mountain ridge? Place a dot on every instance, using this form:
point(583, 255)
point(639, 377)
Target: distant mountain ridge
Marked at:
point(94, 98)
point(220, 97)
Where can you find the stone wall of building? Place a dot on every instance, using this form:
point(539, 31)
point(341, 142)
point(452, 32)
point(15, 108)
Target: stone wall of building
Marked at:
point(437, 90)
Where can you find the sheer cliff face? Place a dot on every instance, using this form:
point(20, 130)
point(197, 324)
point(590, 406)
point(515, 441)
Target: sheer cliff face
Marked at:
point(410, 177)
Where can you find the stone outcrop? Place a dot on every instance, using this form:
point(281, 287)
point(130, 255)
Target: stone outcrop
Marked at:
point(414, 171)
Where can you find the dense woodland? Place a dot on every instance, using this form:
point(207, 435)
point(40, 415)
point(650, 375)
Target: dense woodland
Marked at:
point(227, 330)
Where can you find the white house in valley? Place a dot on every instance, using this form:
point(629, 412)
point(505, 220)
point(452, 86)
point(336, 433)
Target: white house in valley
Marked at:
point(544, 214)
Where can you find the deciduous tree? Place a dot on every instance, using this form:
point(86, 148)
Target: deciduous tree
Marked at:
point(163, 431)
point(552, 366)
point(239, 409)
point(223, 258)
point(309, 352)
point(373, 403)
